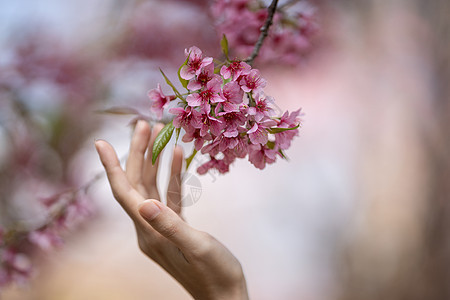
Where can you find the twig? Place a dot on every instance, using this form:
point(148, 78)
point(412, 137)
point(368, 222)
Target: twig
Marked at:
point(264, 31)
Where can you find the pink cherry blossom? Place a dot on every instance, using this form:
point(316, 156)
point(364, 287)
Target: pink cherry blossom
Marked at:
point(194, 64)
point(46, 239)
point(252, 81)
point(187, 118)
point(235, 146)
point(209, 95)
point(225, 107)
point(199, 140)
point(290, 120)
point(222, 121)
point(211, 124)
point(232, 93)
point(232, 120)
point(206, 74)
point(227, 143)
point(259, 155)
point(158, 101)
point(222, 143)
point(283, 139)
point(235, 69)
point(261, 108)
point(230, 155)
point(258, 134)
point(213, 147)
point(289, 38)
point(219, 165)
point(241, 148)
point(76, 211)
point(14, 266)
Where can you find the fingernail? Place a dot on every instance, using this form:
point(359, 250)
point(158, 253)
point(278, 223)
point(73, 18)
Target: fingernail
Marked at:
point(96, 143)
point(149, 210)
point(140, 123)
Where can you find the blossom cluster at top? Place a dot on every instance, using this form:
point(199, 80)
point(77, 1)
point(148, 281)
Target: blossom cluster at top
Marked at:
point(226, 113)
point(289, 37)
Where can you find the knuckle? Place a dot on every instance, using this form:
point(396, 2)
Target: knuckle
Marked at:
point(236, 273)
point(206, 246)
point(168, 230)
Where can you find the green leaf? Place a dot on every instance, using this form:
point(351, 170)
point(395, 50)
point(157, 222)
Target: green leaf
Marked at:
point(283, 155)
point(278, 130)
point(270, 144)
point(183, 81)
point(177, 93)
point(224, 45)
point(251, 101)
point(177, 135)
point(190, 158)
point(161, 140)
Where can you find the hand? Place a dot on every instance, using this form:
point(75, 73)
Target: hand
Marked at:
point(201, 264)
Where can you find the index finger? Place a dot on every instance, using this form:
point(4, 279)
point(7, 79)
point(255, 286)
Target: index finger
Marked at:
point(122, 190)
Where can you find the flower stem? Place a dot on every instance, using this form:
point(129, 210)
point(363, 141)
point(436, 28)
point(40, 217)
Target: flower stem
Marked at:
point(264, 31)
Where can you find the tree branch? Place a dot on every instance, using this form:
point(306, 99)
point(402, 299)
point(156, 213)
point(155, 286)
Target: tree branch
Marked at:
point(264, 31)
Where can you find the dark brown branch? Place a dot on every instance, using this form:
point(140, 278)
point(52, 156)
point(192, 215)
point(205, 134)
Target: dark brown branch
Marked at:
point(264, 31)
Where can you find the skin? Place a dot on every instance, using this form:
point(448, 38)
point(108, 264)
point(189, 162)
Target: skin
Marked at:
point(200, 263)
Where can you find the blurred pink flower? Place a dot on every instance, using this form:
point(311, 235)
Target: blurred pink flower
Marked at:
point(289, 38)
point(46, 239)
point(158, 101)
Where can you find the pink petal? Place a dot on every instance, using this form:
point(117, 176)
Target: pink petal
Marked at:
point(194, 100)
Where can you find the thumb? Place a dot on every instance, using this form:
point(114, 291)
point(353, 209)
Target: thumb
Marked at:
point(169, 224)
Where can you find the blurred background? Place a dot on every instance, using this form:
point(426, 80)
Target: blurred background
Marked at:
point(360, 210)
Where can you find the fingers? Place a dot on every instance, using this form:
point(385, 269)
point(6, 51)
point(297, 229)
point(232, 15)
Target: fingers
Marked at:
point(151, 171)
point(138, 146)
point(122, 190)
point(170, 225)
point(174, 188)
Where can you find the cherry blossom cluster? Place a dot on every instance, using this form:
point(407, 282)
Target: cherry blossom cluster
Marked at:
point(18, 246)
point(15, 266)
point(41, 136)
point(290, 36)
point(226, 113)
